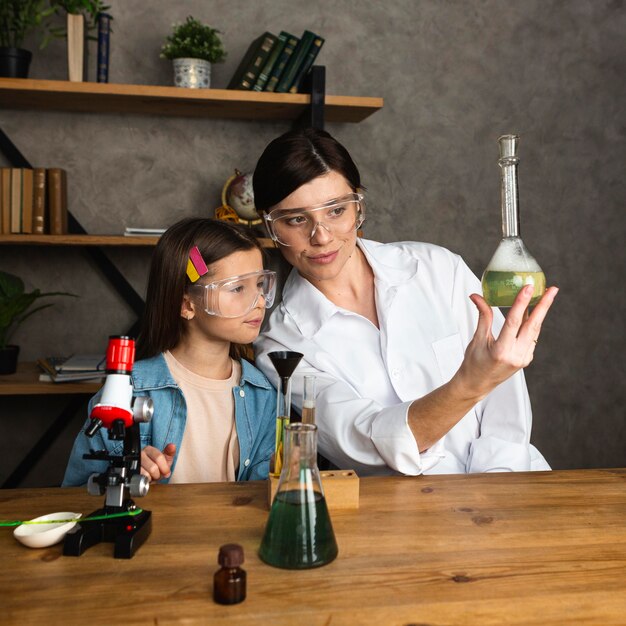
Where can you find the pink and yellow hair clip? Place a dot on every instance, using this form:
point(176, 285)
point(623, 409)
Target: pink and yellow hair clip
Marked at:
point(196, 266)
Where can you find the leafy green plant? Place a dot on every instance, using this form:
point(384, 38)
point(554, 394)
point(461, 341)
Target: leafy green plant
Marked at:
point(89, 8)
point(15, 304)
point(194, 40)
point(18, 18)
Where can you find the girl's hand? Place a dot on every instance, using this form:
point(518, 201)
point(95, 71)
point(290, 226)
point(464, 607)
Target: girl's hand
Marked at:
point(489, 361)
point(156, 464)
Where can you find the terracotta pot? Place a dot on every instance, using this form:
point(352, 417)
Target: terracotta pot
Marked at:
point(8, 359)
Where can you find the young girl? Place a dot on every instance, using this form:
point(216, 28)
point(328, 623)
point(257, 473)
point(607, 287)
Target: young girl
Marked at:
point(214, 412)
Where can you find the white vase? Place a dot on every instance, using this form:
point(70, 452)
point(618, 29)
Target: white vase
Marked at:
point(192, 73)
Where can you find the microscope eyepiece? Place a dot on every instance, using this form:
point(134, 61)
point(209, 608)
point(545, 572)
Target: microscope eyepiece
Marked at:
point(93, 428)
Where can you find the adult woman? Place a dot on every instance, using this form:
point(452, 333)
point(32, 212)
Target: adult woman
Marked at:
point(410, 376)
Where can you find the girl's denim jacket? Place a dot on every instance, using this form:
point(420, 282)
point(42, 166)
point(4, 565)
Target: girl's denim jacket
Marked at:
point(255, 420)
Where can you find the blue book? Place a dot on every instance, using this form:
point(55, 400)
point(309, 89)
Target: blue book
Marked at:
point(104, 33)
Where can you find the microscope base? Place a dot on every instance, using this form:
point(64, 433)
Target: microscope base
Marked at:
point(127, 532)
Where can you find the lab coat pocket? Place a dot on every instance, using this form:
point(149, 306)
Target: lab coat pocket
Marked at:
point(449, 354)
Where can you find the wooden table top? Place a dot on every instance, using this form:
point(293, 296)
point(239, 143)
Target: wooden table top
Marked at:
point(525, 548)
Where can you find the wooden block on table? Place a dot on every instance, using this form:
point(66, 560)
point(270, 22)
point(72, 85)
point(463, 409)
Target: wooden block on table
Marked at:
point(341, 489)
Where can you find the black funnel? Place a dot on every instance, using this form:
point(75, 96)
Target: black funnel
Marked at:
point(285, 363)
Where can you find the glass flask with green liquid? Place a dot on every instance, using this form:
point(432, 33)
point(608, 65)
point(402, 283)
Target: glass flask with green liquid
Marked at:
point(299, 533)
point(512, 266)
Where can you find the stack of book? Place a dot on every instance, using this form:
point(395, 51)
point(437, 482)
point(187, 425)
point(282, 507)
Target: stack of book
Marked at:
point(72, 369)
point(277, 63)
point(33, 201)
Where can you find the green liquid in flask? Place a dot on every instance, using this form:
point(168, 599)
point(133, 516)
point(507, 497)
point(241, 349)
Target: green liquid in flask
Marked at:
point(299, 534)
point(501, 288)
point(512, 267)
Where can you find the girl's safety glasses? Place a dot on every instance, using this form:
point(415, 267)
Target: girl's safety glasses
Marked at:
point(238, 295)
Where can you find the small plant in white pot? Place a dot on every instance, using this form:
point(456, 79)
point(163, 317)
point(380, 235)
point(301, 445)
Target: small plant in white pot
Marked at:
point(193, 47)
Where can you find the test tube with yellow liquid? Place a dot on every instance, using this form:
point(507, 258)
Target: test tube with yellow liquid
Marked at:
point(285, 363)
point(512, 267)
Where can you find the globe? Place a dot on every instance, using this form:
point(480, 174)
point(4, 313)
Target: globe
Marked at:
point(240, 196)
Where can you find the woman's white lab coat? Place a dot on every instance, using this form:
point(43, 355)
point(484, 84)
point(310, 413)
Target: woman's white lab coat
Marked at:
point(367, 378)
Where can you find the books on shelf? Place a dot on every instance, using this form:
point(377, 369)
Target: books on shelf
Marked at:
point(27, 201)
point(130, 231)
point(309, 42)
point(278, 64)
point(5, 200)
point(57, 200)
point(33, 201)
point(72, 369)
point(306, 64)
point(281, 62)
point(39, 201)
point(104, 38)
point(277, 48)
point(16, 200)
point(253, 61)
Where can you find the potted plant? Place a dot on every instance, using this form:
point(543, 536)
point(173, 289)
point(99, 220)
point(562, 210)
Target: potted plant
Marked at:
point(81, 16)
point(18, 18)
point(192, 47)
point(15, 307)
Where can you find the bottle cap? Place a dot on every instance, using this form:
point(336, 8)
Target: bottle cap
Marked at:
point(230, 555)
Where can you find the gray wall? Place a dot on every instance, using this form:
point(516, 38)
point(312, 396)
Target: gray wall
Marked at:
point(454, 76)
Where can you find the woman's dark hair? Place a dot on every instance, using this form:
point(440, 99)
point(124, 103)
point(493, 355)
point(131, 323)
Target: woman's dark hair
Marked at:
point(162, 325)
point(296, 158)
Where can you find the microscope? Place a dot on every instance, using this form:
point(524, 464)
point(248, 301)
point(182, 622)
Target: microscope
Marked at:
point(120, 521)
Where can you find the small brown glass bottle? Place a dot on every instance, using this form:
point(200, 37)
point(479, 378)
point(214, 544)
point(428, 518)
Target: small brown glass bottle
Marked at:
point(229, 582)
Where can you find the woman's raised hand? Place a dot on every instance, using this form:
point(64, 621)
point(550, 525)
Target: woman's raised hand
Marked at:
point(489, 361)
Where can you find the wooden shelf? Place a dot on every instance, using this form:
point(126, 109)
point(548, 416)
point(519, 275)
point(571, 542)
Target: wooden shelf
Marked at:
point(25, 93)
point(91, 240)
point(26, 382)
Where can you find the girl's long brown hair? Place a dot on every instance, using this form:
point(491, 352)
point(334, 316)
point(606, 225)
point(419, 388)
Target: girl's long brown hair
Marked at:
point(162, 325)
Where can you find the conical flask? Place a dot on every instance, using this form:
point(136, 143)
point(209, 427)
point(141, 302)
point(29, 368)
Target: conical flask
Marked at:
point(299, 533)
point(285, 362)
point(512, 266)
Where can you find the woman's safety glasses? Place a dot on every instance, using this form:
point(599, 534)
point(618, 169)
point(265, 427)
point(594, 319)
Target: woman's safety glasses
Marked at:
point(292, 227)
point(237, 295)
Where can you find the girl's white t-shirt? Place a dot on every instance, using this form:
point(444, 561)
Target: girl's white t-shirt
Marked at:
point(209, 451)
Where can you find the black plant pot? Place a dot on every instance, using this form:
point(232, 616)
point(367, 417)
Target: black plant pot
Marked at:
point(14, 62)
point(8, 359)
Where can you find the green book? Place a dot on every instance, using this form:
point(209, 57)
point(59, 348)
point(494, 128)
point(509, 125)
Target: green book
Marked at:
point(296, 60)
point(252, 63)
point(314, 50)
point(277, 48)
point(281, 62)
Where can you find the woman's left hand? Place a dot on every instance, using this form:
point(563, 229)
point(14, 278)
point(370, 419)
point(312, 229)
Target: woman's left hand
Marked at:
point(489, 361)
